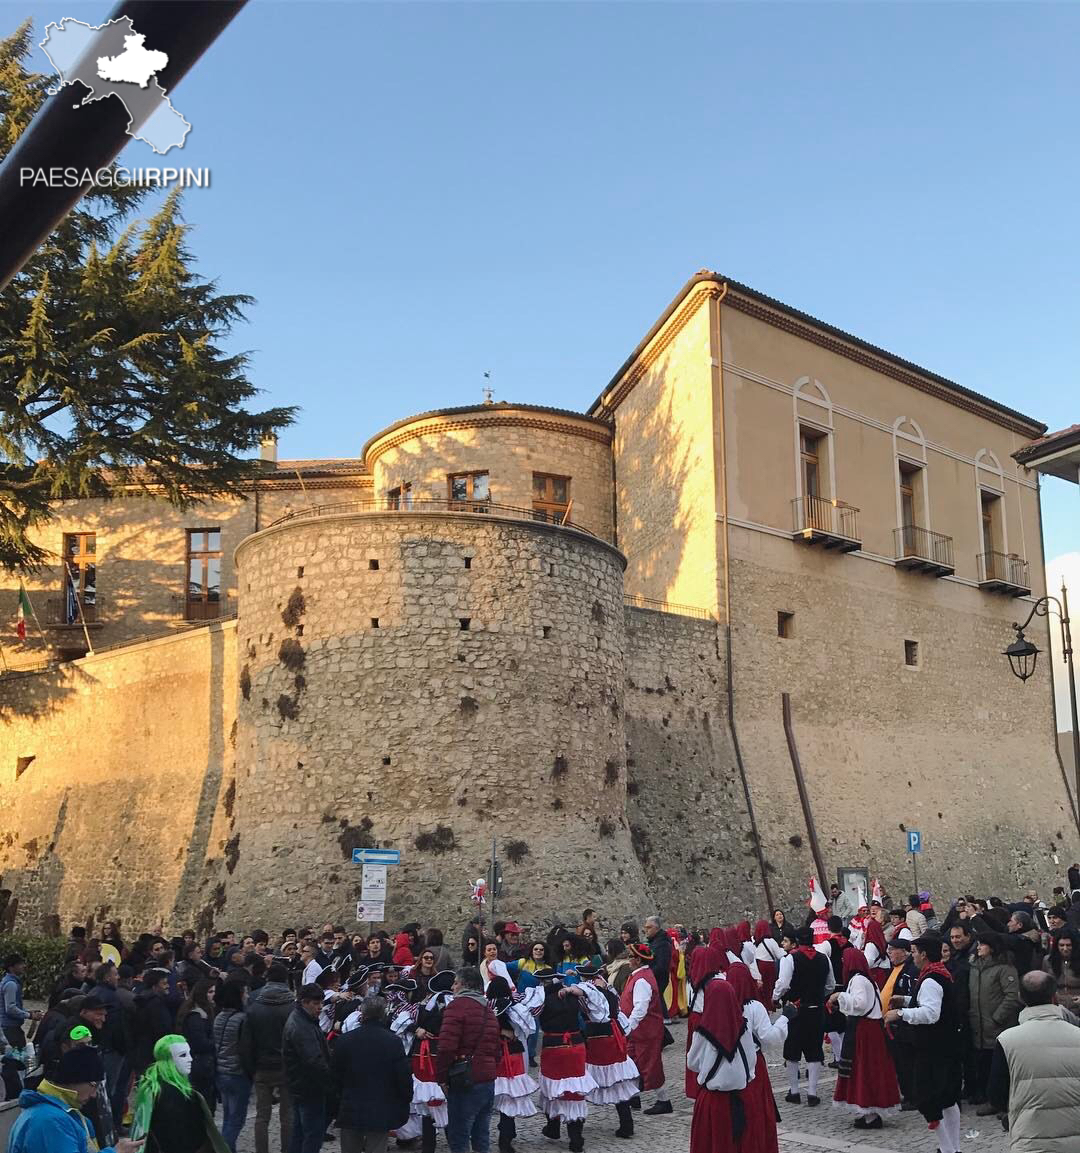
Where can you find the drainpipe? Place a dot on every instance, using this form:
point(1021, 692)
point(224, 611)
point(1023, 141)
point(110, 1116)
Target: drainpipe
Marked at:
point(716, 341)
point(800, 784)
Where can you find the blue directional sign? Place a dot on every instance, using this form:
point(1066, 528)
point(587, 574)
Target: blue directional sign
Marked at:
point(376, 856)
point(914, 841)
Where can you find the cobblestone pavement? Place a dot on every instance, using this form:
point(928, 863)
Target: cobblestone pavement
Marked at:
point(802, 1129)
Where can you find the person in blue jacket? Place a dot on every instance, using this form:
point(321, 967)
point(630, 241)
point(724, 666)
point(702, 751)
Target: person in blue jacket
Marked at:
point(50, 1120)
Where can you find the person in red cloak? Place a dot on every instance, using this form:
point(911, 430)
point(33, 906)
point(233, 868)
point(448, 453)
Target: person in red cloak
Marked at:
point(705, 963)
point(866, 1081)
point(720, 1118)
point(642, 1003)
point(874, 949)
point(768, 955)
point(760, 1135)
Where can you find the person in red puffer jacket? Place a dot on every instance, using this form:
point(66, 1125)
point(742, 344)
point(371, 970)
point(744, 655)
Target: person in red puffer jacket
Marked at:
point(403, 954)
point(469, 1031)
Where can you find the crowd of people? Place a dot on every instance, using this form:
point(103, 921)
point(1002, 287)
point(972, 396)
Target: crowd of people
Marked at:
point(162, 1045)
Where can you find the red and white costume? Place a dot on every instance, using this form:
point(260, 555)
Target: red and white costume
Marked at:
point(768, 955)
point(757, 1097)
point(514, 1088)
point(428, 1100)
point(565, 1081)
point(874, 949)
point(722, 1059)
point(607, 1056)
point(641, 1004)
point(867, 1081)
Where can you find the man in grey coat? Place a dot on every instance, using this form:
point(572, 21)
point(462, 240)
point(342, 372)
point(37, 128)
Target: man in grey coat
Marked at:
point(1036, 1073)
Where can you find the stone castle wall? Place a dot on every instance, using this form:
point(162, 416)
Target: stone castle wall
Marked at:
point(686, 805)
point(420, 735)
point(116, 785)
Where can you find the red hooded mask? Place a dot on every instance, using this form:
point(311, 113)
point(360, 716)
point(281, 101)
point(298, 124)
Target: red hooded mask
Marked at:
point(741, 980)
point(721, 1017)
point(854, 962)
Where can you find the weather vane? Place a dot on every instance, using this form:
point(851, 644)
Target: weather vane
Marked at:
point(488, 391)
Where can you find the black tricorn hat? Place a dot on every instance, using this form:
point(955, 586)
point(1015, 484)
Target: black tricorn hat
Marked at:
point(546, 974)
point(442, 982)
point(402, 985)
point(589, 971)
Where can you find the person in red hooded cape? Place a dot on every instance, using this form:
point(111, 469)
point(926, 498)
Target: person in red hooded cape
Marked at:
point(874, 949)
point(758, 1101)
point(705, 963)
point(866, 1081)
point(722, 1059)
point(768, 955)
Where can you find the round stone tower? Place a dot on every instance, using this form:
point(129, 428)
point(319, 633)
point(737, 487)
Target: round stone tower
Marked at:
point(428, 679)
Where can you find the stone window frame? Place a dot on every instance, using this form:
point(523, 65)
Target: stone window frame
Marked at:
point(547, 508)
point(986, 462)
point(909, 449)
point(818, 421)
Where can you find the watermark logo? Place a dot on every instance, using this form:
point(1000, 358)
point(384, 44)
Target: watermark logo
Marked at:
point(113, 60)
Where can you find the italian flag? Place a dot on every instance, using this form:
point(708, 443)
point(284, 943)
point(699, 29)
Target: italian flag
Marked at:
point(24, 610)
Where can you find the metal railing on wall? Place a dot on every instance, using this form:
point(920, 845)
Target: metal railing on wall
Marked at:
point(921, 543)
point(415, 504)
point(639, 602)
point(833, 517)
point(1008, 568)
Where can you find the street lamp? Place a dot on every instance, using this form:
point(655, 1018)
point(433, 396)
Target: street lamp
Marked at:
point(1023, 654)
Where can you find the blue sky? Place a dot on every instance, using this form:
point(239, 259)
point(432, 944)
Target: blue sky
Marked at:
point(419, 193)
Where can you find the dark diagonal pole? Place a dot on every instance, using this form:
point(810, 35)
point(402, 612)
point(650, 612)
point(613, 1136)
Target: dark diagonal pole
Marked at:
point(92, 135)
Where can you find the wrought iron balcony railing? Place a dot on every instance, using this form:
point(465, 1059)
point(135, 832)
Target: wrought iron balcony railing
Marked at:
point(920, 548)
point(1004, 572)
point(832, 522)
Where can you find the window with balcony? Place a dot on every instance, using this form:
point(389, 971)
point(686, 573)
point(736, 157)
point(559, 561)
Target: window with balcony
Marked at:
point(469, 491)
point(78, 603)
point(551, 497)
point(203, 598)
point(916, 546)
point(819, 516)
point(999, 570)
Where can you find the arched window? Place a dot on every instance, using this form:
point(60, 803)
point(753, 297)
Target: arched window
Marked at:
point(815, 471)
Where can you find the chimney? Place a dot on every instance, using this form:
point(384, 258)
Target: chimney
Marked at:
point(268, 450)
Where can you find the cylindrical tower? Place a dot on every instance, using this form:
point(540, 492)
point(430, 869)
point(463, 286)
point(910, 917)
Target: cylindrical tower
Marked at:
point(428, 681)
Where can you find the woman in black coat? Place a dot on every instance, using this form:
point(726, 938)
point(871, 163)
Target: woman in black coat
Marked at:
point(195, 1019)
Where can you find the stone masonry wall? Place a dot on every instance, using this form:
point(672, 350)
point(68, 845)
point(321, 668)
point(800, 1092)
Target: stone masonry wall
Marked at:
point(424, 736)
point(687, 809)
point(116, 785)
point(956, 748)
point(510, 453)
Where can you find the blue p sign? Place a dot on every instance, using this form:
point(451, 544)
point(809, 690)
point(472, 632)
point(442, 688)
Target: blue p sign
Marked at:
point(914, 841)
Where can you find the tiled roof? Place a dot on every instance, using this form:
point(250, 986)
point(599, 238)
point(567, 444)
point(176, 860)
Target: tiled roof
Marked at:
point(330, 464)
point(1063, 438)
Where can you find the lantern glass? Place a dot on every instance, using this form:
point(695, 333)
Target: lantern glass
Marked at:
point(1022, 656)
